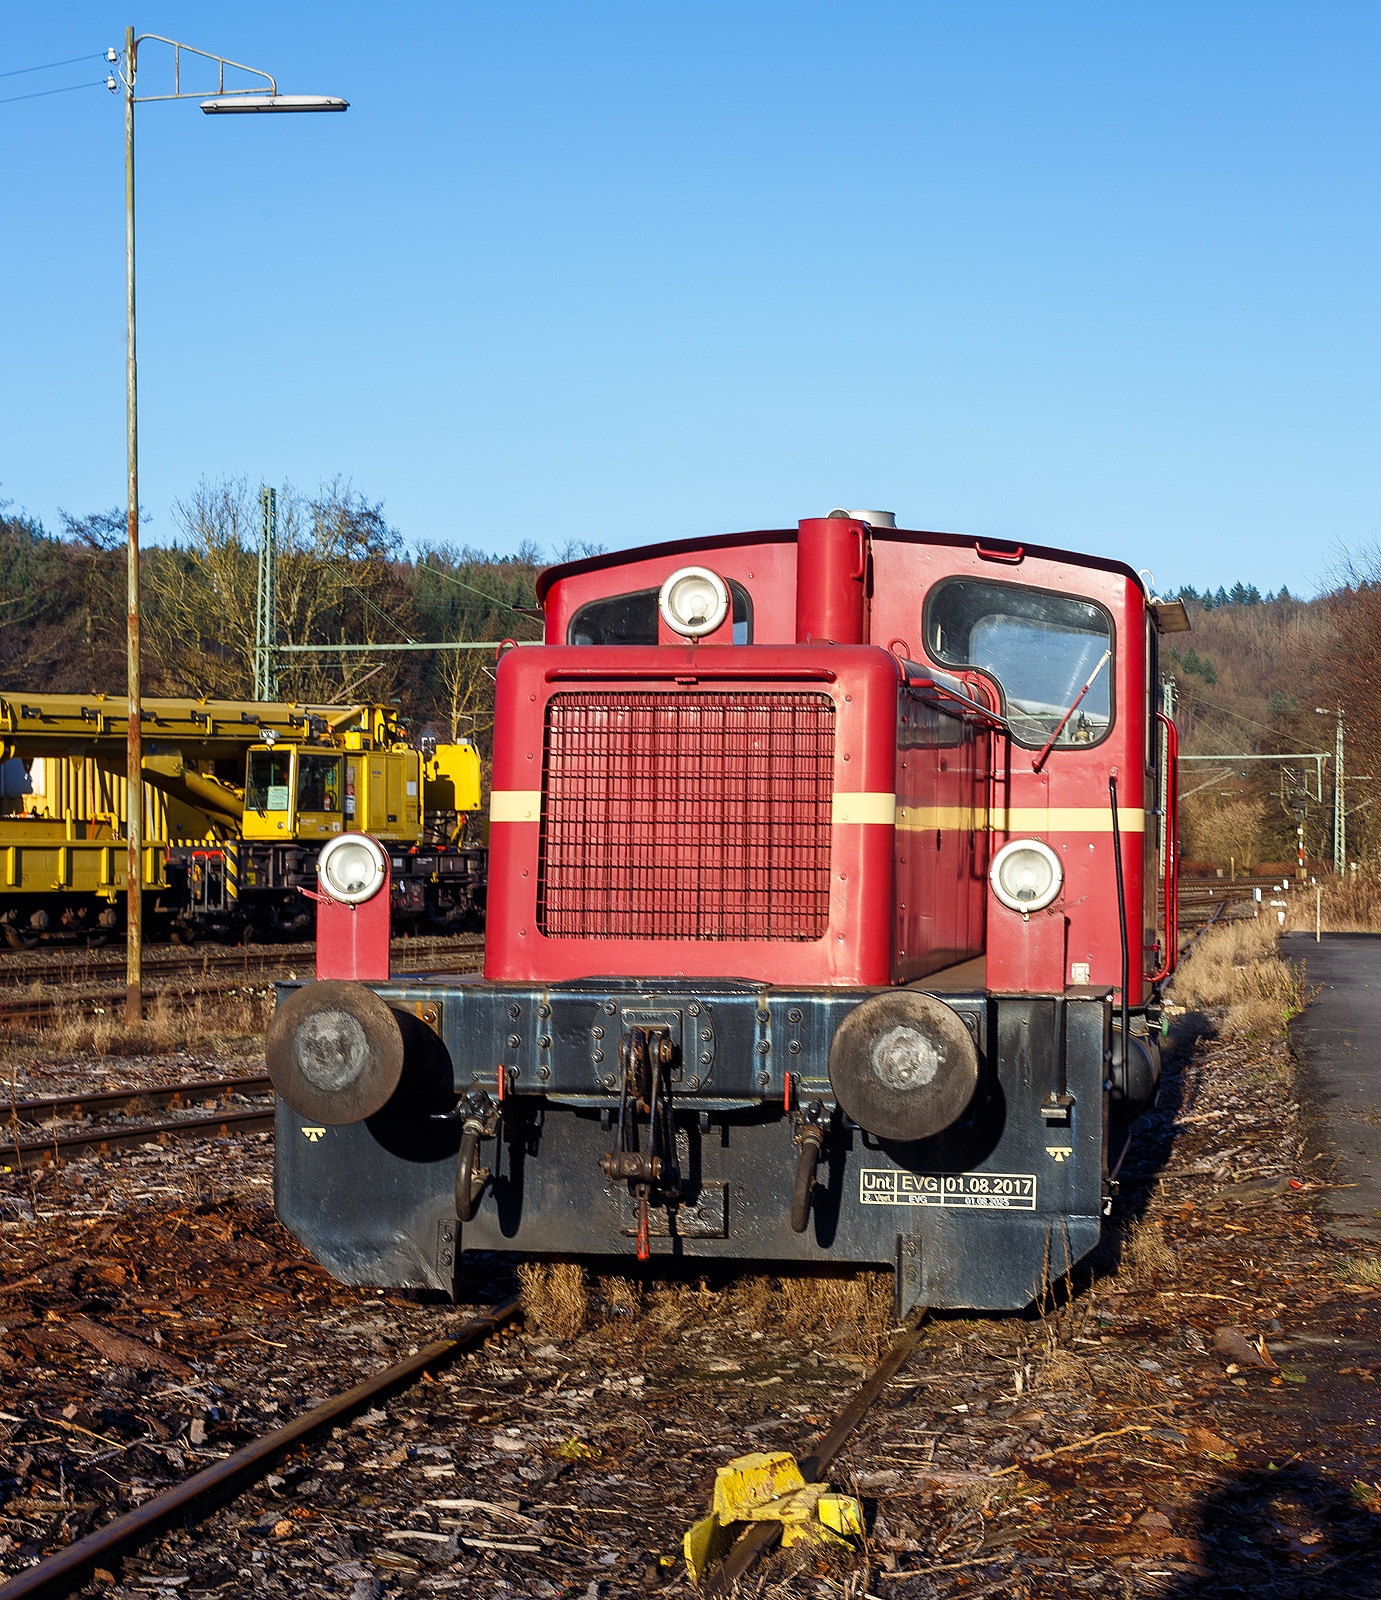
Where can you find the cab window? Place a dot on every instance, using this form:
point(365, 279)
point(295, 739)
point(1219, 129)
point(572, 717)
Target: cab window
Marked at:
point(269, 780)
point(1041, 648)
point(632, 618)
point(318, 783)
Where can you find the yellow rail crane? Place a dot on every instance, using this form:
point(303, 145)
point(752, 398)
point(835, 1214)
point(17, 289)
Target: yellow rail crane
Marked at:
point(238, 798)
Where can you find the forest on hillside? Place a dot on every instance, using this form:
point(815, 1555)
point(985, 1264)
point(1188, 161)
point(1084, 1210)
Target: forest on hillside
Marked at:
point(1247, 678)
point(342, 577)
point(1265, 677)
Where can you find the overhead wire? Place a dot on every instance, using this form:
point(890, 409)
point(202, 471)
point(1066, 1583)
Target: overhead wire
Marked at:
point(351, 584)
point(1214, 706)
point(47, 66)
point(39, 94)
point(483, 594)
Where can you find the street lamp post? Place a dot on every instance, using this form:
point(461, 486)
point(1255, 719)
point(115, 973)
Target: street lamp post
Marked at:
point(223, 100)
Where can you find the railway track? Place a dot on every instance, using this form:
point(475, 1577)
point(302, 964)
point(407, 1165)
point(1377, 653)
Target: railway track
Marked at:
point(1199, 898)
point(25, 1154)
point(90, 966)
point(451, 957)
point(60, 1107)
point(72, 1568)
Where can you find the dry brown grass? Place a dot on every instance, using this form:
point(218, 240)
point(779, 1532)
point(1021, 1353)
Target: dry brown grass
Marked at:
point(207, 1022)
point(621, 1297)
point(1350, 904)
point(854, 1312)
point(1147, 1256)
point(851, 1314)
point(556, 1297)
point(1364, 1270)
point(1062, 1369)
point(1236, 969)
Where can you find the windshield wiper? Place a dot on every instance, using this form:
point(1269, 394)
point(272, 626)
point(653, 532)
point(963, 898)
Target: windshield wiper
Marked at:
point(1050, 742)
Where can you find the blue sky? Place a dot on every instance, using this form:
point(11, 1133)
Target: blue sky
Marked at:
point(1100, 276)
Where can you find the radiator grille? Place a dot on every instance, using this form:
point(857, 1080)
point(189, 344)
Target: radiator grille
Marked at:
point(686, 816)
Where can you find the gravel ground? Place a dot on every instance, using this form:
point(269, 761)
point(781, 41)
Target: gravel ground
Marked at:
point(1124, 1439)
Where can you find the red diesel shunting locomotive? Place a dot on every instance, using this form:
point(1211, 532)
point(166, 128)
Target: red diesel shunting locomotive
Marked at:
point(823, 891)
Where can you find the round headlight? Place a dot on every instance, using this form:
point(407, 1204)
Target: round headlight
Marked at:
point(351, 868)
point(1026, 875)
point(694, 601)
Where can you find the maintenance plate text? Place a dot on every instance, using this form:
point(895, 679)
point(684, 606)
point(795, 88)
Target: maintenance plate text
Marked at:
point(992, 1191)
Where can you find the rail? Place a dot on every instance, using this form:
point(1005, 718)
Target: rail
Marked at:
point(45, 1109)
point(761, 1537)
point(37, 1008)
point(70, 1569)
point(65, 963)
point(21, 1154)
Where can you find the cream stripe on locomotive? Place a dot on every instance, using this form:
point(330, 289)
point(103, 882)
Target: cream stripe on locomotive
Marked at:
point(515, 805)
point(1019, 819)
point(1066, 819)
point(865, 807)
point(525, 805)
point(927, 819)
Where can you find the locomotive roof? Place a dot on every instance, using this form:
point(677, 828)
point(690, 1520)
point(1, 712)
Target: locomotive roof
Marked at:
point(728, 541)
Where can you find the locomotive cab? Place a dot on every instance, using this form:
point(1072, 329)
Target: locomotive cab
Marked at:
point(822, 894)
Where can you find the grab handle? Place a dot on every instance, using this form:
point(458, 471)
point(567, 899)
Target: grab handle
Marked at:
point(1170, 803)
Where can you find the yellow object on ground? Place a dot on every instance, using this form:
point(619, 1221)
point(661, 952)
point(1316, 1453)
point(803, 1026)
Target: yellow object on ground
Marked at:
point(798, 1506)
point(842, 1513)
point(753, 1480)
point(768, 1487)
point(707, 1542)
point(815, 1533)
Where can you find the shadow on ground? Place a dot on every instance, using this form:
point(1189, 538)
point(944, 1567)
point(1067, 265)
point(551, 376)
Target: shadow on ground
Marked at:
point(1287, 1535)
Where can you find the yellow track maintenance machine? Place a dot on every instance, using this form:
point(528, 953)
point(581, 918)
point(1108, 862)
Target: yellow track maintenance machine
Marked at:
point(238, 799)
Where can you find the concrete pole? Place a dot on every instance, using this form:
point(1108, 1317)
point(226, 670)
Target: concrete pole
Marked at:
point(134, 882)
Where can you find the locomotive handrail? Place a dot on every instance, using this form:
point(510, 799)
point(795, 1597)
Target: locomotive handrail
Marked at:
point(1124, 1022)
point(1171, 808)
point(936, 686)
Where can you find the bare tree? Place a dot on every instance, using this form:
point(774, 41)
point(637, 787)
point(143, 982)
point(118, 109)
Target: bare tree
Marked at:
point(335, 585)
point(467, 677)
point(1233, 831)
point(201, 622)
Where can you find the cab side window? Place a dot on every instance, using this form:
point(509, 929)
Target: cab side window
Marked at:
point(632, 618)
point(1040, 646)
point(620, 619)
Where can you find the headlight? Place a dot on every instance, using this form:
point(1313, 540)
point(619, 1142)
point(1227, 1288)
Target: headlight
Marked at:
point(694, 601)
point(351, 868)
point(1026, 875)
